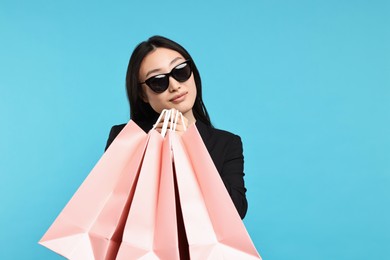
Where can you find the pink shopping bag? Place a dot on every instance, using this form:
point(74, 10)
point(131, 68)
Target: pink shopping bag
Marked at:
point(213, 226)
point(91, 224)
point(150, 230)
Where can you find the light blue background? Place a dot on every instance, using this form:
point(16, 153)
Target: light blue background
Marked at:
point(306, 84)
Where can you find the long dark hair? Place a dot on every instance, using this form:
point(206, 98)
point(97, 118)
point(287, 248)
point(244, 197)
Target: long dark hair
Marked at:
point(142, 111)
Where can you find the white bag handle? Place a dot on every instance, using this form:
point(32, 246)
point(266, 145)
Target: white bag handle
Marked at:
point(176, 115)
point(166, 114)
point(171, 118)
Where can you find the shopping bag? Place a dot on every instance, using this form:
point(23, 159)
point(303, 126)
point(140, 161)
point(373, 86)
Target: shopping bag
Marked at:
point(151, 229)
point(213, 226)
point(91, 224)
point(166, 241)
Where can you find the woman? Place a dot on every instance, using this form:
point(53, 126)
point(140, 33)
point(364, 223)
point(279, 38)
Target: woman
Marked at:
point(161, 75)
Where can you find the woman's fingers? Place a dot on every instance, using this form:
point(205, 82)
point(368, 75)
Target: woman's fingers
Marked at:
point(181, 124)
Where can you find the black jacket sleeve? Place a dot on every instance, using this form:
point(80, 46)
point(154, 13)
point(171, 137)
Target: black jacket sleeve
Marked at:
point(232, 174)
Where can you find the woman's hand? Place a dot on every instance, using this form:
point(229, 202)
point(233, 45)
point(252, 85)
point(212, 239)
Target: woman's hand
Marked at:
point(180, 128)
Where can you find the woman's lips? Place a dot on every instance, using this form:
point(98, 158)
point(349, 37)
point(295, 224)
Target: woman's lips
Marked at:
point(179, 98)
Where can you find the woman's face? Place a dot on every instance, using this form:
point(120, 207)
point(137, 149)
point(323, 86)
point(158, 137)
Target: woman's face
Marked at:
point(179, 95)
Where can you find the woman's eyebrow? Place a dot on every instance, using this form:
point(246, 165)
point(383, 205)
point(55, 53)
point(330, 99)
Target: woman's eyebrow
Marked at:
point(157, 70)
point(152, 71)
point(175, 59)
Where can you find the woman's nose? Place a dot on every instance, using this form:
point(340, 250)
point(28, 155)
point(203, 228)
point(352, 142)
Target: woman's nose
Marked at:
point(173, 84)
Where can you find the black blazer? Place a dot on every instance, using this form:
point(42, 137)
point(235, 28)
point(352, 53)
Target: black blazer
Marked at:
point(226, 152)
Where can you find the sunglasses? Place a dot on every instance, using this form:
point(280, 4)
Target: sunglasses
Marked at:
point(160, 83)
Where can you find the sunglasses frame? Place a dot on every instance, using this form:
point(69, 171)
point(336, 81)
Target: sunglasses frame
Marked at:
point(167, 75)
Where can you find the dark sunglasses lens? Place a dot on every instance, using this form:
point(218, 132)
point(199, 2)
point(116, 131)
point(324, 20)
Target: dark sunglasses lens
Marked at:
point(158, 84)
point(182, 72)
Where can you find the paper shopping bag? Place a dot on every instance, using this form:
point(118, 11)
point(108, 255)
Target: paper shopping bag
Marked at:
point(91, 224)
point(213, 226)
point(150, 231)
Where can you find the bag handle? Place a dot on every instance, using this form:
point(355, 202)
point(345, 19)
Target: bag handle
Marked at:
point(176, 114)
point(171, 117)
point(166, 114)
